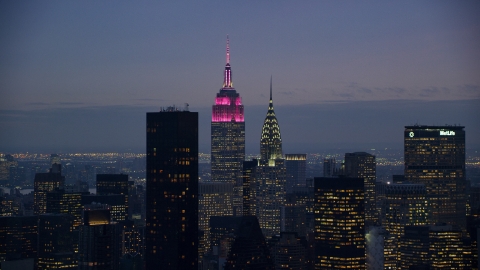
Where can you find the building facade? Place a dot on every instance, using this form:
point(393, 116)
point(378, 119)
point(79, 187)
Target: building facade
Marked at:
point(114, 184)
point(43, 183)
point(435, 157)
point(362, 165)
point(339, 223)
point(403, 205)
point(172, 190)
point(296, 168)
point(214, 199)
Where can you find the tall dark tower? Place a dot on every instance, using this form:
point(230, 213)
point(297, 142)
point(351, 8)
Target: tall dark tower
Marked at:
point(435, 157)
point(228, 131)
point(172, 190)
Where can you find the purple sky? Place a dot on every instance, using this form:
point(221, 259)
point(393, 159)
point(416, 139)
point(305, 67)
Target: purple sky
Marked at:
point(73, 75)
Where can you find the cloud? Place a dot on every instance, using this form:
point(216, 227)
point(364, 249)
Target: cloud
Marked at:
point(428, 92)
point(364, 90)
point(470, 88)
point(70, 103)
point(37, 103)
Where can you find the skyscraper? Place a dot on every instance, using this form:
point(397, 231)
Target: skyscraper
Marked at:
point(434, 247)
point(228, 131)
point(43, 183)
point(339, 223)
point(402, 205)
point(435, 157)
point(99, 246)
point(362, 165)
point(114, 184)
point(172, 190)
point(249, 249)
point(271, 139)
point(270, 175)
point(56, 242)
point(214, 199)
point(296, 166)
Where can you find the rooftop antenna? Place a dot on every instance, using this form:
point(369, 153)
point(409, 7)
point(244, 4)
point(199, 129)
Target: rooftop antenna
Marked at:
point(228, 50)
point(270, 87)
point(186, 107)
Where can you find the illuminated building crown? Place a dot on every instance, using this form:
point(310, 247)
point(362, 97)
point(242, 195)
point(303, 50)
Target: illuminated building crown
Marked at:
point(271, 140)
point(228, 103)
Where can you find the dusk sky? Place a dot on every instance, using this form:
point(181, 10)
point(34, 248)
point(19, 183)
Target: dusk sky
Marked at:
point(81, 75)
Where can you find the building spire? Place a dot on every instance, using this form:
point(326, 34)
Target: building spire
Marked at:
point(227, 76)
point(228, 50)
point(270, 88)
point(271, 140)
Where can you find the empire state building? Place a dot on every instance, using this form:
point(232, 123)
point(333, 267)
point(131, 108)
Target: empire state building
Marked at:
point(228, 131)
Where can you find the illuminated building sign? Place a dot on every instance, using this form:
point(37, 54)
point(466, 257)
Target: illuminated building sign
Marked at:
point(447, 133)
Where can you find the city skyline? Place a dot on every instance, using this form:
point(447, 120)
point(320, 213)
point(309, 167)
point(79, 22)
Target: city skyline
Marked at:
point(364, 71)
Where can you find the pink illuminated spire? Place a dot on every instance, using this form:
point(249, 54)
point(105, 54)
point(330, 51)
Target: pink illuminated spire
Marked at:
point(228, 50)
point(227, 76)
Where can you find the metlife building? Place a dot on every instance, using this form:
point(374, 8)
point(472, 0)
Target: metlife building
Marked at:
point(435, 156)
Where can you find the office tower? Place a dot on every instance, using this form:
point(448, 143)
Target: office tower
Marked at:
point(8, 167)
point(118, 209)
point(403, 205)
point(296, 168)
point(113, 184)
point(43, 183)
point(249, 249)
point(435, 156)
point(60, 201)
point(339, 223)
point(223, 231)
point(294, 216)
point(99, 246)
point(214, 199)
point(289, 251)
point(132, 238)
point(249, 187)
point(329, 167)
point(434, 247)
point(56, 242)
point(172, 190)
point(362, 165)
point(18, 237)
point(270, 175)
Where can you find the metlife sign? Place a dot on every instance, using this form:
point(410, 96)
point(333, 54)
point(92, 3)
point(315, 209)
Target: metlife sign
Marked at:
point(447, 133)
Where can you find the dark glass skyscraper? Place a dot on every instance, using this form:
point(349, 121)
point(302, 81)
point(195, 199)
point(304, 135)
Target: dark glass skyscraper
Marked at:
point(228, 131)
point(172, 190)
point(435, 157)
